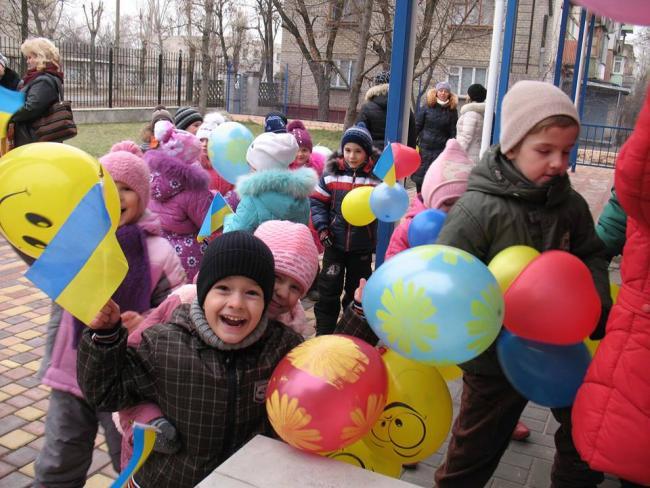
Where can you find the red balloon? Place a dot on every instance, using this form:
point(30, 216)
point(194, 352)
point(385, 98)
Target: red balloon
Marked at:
point(407, 160)
point(553, 300)
point(327, 393)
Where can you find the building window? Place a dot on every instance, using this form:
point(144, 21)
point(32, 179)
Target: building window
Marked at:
point(461, 77)
point(351, 11)
point(619, 65)
point(346, 66)
point(471, 12)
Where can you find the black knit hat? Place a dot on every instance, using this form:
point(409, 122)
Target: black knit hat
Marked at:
point(186, 116)
point(275, 122)
point(237, 254)
point(358, 134)
point(382, 78)
point(477, 92)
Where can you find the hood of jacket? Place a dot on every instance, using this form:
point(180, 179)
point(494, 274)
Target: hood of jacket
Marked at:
point(497, 175)
point(473, 107)
point(299, 183)
point(378, 94)
point(170, 176)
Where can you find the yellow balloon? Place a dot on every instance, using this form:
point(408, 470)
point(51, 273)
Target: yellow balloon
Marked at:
point(450, 372)
point(614, 289)
point(355, 206)
point(417, 415)
point(592, 345)
point(40, 185)
point(358, 454)
point(507, 264)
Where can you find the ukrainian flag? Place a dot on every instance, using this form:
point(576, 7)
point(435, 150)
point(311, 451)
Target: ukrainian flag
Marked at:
point(144, 437)
point(10, 103)
point(385, 167)
point(83, 264)
point(214, 218)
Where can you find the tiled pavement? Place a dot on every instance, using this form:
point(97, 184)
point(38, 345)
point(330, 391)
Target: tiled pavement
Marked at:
point(23, 401)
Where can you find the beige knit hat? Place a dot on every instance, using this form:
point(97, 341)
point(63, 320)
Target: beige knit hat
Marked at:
point(526, 104)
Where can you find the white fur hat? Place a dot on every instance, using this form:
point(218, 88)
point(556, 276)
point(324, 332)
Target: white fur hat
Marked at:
point(210, 122)
point(272, 151)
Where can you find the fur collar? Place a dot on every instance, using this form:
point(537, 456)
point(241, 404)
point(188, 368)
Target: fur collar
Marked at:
point(376, 91)
point(298, 184)
point(191, 176)
point(473, 107)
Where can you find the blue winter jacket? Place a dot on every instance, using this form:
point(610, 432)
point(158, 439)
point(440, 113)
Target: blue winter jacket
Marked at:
point(275, 194)
point(337, 180)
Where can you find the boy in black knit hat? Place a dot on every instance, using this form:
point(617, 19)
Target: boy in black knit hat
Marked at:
point(207, 368)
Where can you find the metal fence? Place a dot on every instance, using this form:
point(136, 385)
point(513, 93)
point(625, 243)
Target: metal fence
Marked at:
point(122, 77)
point(599, 145)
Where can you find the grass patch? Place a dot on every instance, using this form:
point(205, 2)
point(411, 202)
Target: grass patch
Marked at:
point(97, 139)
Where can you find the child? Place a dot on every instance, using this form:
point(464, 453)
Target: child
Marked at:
point(148, 139)
point(519, 194)
point(207, 368)
point(179, 192)
point(211, 122)
point(154, 269)
point(275, 122)
point(444, 182)
point(611, 412)
point(348, 248)
point(304, 157)
point(272, 192)
point(469, 128)
point(188, 119)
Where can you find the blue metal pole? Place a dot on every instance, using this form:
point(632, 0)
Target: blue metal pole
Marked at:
point(557, 76)
point(506, 60)
point(286, 87)
point(399, 95)
point(576, 65)
point(583, 90)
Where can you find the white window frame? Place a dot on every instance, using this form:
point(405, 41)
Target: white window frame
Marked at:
point(457, 71)
point(336, 81)
point(480, 15)
point(621, 61)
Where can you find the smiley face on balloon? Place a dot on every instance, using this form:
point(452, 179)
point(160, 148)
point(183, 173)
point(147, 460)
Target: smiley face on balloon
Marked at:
point(402, 429)
point(40, 186)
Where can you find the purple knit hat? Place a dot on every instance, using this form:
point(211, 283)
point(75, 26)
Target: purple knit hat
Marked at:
point(300, 132)
point(127, 168)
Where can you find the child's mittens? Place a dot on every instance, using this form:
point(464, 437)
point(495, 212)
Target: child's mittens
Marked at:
point(167, 441)
point(325, 237)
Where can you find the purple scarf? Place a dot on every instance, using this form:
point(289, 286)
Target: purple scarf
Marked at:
point(134, 293)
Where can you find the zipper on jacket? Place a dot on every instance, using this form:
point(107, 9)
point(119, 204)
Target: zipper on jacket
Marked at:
point(228, 435)
point(349, 226)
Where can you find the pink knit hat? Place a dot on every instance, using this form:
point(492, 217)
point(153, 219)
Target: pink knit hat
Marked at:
point(128, 146)
point(446, 178)
point(127, 168)
point(293, 250)
point(300, 132)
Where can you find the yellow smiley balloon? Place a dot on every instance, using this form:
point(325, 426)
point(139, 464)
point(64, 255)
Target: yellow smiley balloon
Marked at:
point(360, 455)
point(40, 185)
point(417, 415)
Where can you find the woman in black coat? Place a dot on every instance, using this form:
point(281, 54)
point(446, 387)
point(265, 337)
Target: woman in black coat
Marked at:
point(434, 125)
point(41, 85)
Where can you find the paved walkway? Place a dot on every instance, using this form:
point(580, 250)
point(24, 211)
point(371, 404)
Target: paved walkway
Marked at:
point(23, 401)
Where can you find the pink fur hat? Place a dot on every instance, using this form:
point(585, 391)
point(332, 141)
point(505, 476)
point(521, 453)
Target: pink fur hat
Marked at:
point(293, 249)
point(446, 178)
point(177, 143)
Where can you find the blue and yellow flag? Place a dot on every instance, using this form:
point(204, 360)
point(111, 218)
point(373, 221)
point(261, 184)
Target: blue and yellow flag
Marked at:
point(144, 437)
point(10, 103)
point(214, 218)
point(385, 167)
point(83, 264)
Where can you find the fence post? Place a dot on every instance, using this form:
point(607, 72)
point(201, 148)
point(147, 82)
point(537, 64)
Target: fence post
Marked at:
point(160, 77)
point(178, 83)
point(286, 87)
point(110, 77)
point(228, 87)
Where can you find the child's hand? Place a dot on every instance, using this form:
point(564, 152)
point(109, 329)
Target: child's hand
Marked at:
point(325, 237)
point(167, 441)
point(358, 293)
point(131, 320)
point(107, 317)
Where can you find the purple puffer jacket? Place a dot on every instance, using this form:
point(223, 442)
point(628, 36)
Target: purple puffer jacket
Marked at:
point(166, 271)
point(181, 198)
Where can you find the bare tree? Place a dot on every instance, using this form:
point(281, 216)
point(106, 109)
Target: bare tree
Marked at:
point(145, 29)
point(238, 28)
point(268, 23)
point(206, 58)
point(220, 13)
point(46, 15)
point(44, 18)
point(93, 23)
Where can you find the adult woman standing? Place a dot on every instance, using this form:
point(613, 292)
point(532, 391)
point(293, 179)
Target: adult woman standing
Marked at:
point(434, 125)
point(469, 129)
point(41, 85)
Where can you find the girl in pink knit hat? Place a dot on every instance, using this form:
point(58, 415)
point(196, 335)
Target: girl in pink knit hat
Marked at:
point(444, 182)
point(154, 270)
point(305, 156)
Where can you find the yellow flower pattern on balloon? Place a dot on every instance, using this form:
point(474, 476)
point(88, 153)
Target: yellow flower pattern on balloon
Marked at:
point(288, 419)
point(406, 315)
point(335, 359)
point(489, 314)
point(449, 254)
point(363, 421)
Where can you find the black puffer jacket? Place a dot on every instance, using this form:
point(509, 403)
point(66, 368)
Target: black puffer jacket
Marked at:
point(40, 93)
point(434, 126)
point(373, 114)
point(10, 79)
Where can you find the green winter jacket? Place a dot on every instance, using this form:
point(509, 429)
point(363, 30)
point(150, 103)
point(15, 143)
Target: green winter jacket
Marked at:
point(501, 208)
point(611, 226)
